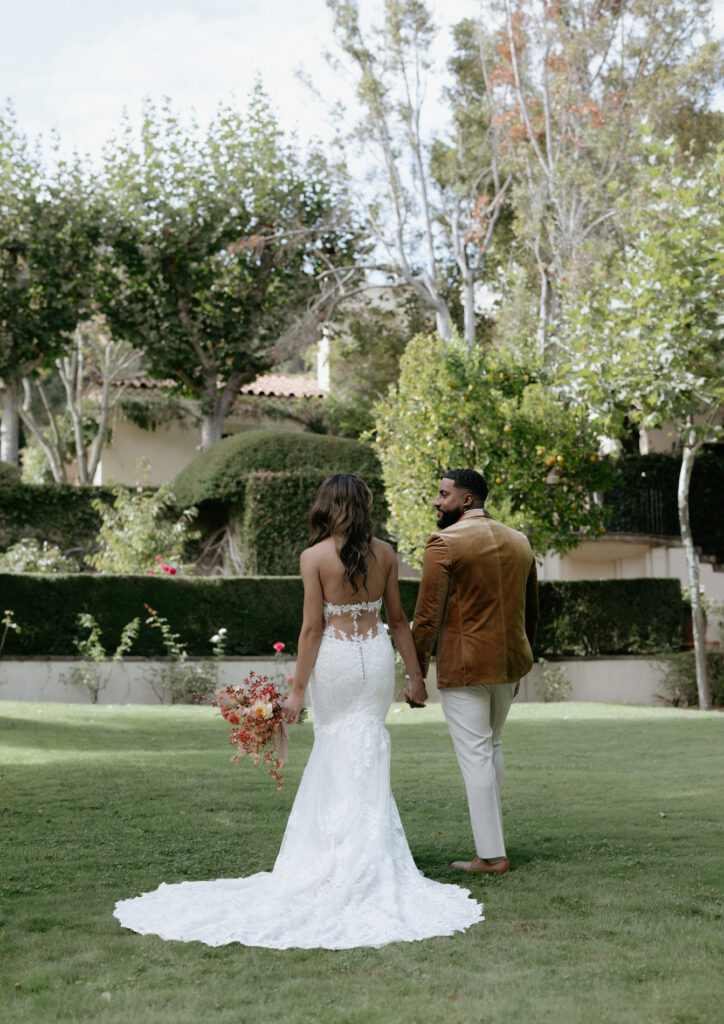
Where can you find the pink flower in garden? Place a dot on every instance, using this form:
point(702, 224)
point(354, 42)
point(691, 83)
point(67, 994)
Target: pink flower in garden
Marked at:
point(151, 572)
point(290, 678)
point(279, 646)
point(158, 558)
point(164, 568)
point(171, 571)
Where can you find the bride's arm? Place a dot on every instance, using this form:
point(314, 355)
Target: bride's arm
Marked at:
point(400, 632)
point(310, 636)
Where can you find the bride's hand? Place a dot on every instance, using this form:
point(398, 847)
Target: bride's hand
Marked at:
point(292, 707)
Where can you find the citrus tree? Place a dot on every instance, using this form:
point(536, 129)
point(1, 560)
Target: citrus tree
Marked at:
point(459, 406)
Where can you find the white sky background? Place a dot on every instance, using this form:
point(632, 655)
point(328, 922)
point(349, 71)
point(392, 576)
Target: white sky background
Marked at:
point(74, 65)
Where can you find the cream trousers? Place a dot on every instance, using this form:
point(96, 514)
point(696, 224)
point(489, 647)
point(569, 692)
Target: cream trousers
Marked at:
point(475, 716)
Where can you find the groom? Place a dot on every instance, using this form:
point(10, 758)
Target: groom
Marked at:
point(479, 591)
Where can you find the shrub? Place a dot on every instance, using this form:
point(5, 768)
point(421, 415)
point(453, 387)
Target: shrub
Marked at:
point(598, 617)
point(57, 513)
point(136, 531)
point(8, 473)
point(220, 472)
point(179, 679)
point(678, 685)
point(33, 556)
point(94, 671)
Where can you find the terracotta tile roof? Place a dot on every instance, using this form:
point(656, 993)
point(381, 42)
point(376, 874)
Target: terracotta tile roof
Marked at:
point(277, 385)
point(283, 385)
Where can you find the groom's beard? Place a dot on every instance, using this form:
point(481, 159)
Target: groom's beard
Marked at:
point(445, 519)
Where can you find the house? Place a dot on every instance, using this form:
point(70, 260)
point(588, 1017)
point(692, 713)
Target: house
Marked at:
point(151, 424)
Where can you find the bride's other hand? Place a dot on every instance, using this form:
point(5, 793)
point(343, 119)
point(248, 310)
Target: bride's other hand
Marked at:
point(292, 707)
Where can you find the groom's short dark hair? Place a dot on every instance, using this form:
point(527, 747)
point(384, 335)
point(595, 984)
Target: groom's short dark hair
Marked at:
point(469, 480)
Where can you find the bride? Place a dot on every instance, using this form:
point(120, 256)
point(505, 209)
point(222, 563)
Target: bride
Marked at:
point(344, 875)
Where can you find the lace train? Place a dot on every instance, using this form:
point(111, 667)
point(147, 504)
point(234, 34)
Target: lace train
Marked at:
point(344, 875)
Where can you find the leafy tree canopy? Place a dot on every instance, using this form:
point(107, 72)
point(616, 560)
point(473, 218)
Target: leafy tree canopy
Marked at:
point(221, 239)
point(456, 406)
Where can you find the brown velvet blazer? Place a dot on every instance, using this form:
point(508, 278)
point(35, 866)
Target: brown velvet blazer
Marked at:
point(479, 590)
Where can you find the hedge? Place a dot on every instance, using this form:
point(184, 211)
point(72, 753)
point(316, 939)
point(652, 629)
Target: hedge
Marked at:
point(274, 524)
point(220, 472)
point(59, 513)
point(580, 617)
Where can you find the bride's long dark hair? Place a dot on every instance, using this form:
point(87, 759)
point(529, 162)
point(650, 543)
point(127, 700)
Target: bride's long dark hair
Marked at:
point(342, 510)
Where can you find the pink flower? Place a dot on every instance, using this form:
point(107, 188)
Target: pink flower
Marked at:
point(158, 558)
point(290, 678)
point(279, 646)
point(171, 571)
point(164, 568)
point(151, 572)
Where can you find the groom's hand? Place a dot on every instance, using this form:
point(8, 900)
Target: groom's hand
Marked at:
point(415, 692)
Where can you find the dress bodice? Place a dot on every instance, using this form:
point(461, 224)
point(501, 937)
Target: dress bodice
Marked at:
point(355, 622)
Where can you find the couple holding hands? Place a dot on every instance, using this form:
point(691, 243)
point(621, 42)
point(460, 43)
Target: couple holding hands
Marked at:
point(344, 876)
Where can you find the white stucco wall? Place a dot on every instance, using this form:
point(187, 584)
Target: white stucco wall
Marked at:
point(168, 449)
point(171, 446)
point(629, 680)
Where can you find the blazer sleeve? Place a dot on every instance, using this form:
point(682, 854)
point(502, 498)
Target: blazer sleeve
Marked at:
point(431, 599)
point(531, 605)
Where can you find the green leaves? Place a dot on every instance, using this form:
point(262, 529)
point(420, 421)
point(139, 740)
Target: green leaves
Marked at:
point(455, 406)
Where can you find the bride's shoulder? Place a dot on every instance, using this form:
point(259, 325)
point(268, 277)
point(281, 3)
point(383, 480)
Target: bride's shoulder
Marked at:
point(319, 552)
point(383, 551)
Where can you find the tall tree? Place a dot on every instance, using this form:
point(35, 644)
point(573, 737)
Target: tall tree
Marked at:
point(425, 217)
point(49, 234)
point(568, 83)
point(221, 239)
point(651, 335)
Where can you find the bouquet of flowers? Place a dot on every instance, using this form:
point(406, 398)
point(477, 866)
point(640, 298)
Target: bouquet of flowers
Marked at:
point(259, 728)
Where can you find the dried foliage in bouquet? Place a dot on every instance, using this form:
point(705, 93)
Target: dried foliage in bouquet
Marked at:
point(259, 728)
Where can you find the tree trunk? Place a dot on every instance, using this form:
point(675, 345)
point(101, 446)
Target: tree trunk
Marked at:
point(469, 308)
point(223, 402)
point(211, 426)
point(444, 321)
point(690, 449)
point(10, 424)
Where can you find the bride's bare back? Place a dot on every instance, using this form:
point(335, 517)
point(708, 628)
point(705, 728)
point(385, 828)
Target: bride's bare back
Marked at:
point(323, 561)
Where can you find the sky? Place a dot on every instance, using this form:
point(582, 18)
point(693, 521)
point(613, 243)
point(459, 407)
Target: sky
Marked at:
point(74, 65)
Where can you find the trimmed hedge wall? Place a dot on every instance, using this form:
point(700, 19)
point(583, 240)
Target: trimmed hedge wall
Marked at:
point(580, 617)
point(266, 482)
point(59, 513)
point(274, 524)
point(220, 473)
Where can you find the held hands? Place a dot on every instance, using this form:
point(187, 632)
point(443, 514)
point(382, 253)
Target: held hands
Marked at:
point(415, 692)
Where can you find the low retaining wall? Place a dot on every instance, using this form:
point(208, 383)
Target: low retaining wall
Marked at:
point(630, 680)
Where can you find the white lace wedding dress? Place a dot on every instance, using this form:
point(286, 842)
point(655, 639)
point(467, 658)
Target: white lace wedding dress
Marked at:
point(344, 875)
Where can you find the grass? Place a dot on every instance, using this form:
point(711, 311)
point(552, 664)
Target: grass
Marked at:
point(614, 819)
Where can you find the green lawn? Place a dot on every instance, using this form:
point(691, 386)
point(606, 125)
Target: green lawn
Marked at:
point(615, 826)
